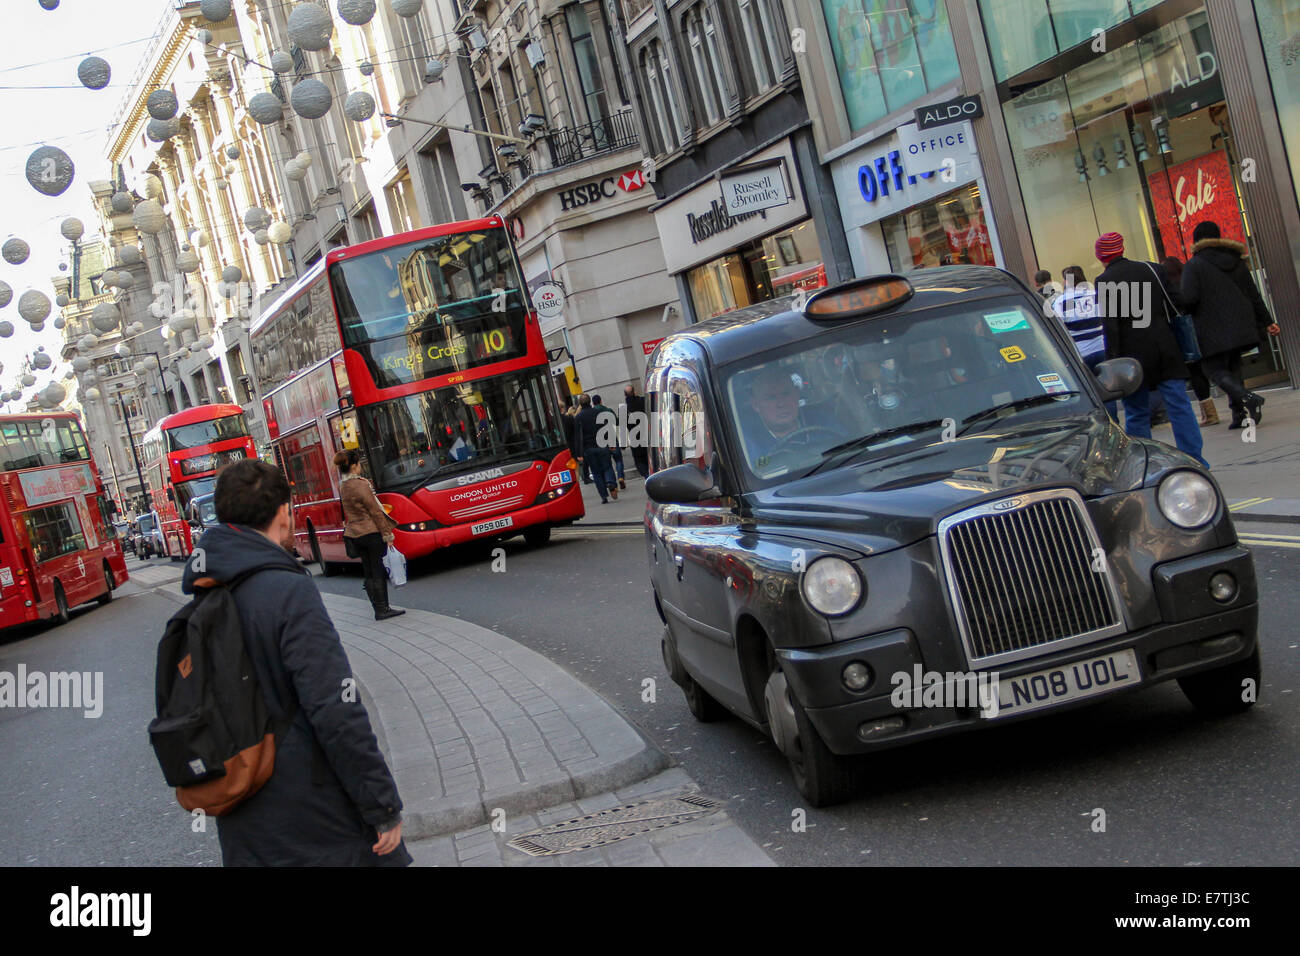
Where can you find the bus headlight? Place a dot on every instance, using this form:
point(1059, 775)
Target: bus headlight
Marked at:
point(1187, 499)
point(832, 586)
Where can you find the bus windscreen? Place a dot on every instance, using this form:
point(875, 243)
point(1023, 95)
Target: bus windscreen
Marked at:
point(433, 306)
point(185, 437)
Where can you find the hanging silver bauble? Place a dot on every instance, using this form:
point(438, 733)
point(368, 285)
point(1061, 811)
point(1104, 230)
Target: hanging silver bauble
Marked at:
point(62, 300)
point(433, 71)
point(233, 151)
point(28, 380)
point(281, 62)
point(310, 26)
point(222, 185)
point(182, 320)
point(295, 171)
point(279, 232)
point(407, 8)
point(188, 261)
point(60, 323)
point(41, 361)
point(359, 106)
point(50, 170)
point(256, 218)
point(151, 186)
point(15, 251)
point(128, 255)
point(52, 394)
point(122, 202)
point(105, 317)
point(135, 328)
point(230, 169)
point(34, 306)
point(160, 131)
point(356, 12)
point(149, 217)
point(204, 342)
point(6, 329)
point(203, 36)
point(232, 275)
point(123, 350)
point(91, 394)
point(162, 104)
point(311, 98)
point(94, 73)
point(72, 228)
point(140, 367)
point(6, 294)
point(304, 158)
point(82, 364)
point(367, 68)
point(199, 237)
point(215, 11)
point(265, 108)
point(37, 326)
point(87, 342)
point(49, 4)
point(261, 237)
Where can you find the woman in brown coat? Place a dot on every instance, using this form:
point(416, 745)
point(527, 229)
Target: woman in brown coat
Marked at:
point(369, 529)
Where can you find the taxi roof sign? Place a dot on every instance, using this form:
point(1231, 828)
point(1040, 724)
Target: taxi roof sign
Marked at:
point(859, 297)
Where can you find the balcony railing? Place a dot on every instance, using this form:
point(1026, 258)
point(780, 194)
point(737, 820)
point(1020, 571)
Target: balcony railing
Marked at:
point(605, 135)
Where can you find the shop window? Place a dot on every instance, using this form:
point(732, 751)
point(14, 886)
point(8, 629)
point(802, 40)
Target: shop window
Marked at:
point(888, 54)
point(764, 269)
point(948, 231)
point(665, 121)
point(1279, 30)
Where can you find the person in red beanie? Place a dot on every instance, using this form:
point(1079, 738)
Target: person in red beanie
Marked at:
point(1136, 306)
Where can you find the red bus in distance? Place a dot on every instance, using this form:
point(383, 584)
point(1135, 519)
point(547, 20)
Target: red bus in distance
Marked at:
point(183, 453)
point(422, 351)
point(58, 546)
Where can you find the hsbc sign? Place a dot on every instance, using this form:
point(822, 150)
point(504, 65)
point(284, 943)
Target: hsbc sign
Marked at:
point(591, 193)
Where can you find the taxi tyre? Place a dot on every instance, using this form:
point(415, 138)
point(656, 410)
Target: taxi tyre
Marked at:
point(1219, 692)
point(108, 586)
point(61, 613)
point(824, 778)
point(700, 702)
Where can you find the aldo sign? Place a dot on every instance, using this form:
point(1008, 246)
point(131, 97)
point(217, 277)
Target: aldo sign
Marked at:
point(949, 111)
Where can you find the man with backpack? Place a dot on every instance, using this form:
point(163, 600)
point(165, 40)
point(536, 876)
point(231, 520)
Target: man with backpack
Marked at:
point(329, 799)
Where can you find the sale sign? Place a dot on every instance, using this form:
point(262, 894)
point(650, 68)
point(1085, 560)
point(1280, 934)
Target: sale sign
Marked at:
point(1190, 193)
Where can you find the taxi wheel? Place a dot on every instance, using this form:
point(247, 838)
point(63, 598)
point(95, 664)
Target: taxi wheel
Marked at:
point(824, 778)
point(61, 614)
point(702, 706)
point(1224, 691)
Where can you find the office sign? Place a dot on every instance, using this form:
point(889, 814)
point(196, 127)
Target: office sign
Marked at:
point(949, 111)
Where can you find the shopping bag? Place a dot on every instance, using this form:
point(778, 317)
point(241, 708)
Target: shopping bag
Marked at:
point(1185, 332)
point(395, 564)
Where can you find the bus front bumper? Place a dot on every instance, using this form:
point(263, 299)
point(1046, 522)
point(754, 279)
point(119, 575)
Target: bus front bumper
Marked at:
point(563, 510)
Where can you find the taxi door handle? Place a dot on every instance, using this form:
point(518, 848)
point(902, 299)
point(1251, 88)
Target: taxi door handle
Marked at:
point(681, 565)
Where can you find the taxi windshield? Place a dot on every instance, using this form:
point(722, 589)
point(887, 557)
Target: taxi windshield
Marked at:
point(895, 382)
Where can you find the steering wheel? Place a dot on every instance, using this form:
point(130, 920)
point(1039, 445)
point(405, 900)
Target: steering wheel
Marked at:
point(780, 445)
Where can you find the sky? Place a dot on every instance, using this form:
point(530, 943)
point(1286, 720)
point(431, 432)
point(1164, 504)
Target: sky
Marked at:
point(43, 103)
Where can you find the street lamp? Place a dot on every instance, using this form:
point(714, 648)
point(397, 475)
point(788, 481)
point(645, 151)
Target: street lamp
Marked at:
point(392, 121)
point(130, 438)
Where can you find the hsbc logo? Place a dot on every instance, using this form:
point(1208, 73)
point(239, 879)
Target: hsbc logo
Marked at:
point(631, 181)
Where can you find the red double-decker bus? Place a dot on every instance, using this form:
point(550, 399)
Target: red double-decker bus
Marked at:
point(58, 546)
point(422, 352)
point(182, 455)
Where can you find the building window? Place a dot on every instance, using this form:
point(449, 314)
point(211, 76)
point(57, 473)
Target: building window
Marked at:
point(200, 387)
point(761, 39)
point(654, 66)
point(706, 60)
point(889, 54)
point(446, 198)
point(584, 55)
point(243, 383)
point(367, 223)
point(1279, 28)
point(618, 74)
point(401, 203)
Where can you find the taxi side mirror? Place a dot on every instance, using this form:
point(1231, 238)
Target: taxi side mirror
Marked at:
point(679, 485)
point(1119, 378)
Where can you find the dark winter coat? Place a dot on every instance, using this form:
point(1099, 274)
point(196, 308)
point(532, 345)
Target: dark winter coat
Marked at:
point(330, 787)
point(1153, 345)
point(1230, 315)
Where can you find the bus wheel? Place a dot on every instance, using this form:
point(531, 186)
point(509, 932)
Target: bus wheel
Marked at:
point(61, 604)
point(108, 586)
point(537, 535)
point(326, 569)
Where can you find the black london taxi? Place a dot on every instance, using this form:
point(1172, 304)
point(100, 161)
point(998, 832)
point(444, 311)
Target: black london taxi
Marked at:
point(902, 511)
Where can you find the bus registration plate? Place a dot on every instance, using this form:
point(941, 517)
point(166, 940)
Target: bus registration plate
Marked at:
point(496, 524)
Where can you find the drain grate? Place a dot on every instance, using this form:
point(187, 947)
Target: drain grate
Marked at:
point(614, 824)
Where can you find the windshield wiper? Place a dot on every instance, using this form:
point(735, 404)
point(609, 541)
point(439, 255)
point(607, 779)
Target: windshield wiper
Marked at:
point(1017, 405)
point(865, 441)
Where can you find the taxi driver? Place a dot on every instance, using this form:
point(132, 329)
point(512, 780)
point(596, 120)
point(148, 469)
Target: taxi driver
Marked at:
point(781, 418)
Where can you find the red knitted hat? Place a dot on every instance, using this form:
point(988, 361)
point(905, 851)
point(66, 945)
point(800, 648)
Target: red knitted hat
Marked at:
point(1110, 246)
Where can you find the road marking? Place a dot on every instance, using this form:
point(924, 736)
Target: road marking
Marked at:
point(1248, 503)
point(583, 532)
point(1271, 540)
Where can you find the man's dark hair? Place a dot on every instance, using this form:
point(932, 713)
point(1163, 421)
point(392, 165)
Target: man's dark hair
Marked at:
point(1206, 230)
point(250, 492)
point(584, 400)
point(629, 390)
point(1076, 272)
point(595, 400)
point(1042, 277)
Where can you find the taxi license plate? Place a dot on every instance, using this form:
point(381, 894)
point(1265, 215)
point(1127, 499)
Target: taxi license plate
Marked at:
point(494, 525)
point(1085, 678)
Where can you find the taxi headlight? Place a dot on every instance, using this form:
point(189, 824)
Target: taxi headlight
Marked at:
point(1187, 499)
point(832, 586)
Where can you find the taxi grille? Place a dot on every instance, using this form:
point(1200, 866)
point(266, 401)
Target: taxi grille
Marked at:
point(1023, 578)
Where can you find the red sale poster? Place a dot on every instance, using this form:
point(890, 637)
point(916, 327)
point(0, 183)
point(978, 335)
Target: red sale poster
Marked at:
point(1190, 193)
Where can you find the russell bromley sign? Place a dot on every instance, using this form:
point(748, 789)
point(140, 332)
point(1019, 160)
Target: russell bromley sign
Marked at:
point(716, 220)
point(751, 188)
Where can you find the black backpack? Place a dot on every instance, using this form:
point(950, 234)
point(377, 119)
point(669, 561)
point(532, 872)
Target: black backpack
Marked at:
point(214, 736)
